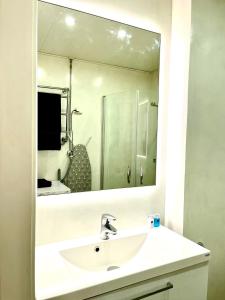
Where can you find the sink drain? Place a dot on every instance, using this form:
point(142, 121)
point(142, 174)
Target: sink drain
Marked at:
point(97, 249)
point(111, 268)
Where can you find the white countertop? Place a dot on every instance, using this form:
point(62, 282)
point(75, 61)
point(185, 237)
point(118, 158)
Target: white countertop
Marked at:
point(163, 252)
point(57, 188)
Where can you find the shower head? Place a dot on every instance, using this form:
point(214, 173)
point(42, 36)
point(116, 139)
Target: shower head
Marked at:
point(76, 112)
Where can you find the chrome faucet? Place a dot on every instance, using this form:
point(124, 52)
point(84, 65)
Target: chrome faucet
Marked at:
point(106, 227)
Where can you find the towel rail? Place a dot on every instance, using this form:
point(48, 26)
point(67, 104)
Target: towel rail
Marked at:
point(65, 94)
point(53, 88)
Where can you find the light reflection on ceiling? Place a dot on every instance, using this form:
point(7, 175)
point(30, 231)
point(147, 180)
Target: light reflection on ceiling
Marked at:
point(73, 34)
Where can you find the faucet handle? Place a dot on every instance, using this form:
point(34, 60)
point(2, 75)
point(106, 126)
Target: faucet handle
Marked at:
point(107, 217)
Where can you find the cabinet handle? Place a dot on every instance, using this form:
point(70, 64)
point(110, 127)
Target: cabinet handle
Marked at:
point(141, 176)
point(168, 286)
point(128, 174)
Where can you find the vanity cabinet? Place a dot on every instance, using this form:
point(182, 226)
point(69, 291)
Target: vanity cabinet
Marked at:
point(166, 267)
point(187, 284)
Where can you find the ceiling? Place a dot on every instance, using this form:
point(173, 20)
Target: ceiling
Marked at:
point(73, 34)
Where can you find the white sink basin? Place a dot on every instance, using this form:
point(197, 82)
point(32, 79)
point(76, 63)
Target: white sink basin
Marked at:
point(105, 255)
point(75, 269)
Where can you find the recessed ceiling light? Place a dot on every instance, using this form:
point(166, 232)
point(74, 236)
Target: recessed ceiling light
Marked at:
point(121, 34)
point(70, 21)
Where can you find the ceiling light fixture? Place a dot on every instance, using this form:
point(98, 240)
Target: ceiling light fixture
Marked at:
point(121, 34)
point(70, 21)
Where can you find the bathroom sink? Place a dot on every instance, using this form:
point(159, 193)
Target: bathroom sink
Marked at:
point(83, 268)
point(105, 255)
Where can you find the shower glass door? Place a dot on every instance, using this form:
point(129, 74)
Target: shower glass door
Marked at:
point(119, 140)
point(146, 140)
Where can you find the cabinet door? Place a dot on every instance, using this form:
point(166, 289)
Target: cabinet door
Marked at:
point(191, 284)
point(148, 290)
point(183, 285)
point(134, 295)
point(119, 140)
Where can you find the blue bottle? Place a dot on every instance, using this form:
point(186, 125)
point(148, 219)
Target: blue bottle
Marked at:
point(156, 220)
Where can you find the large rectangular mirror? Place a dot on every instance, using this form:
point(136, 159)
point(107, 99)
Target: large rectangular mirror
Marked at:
point(98, 86)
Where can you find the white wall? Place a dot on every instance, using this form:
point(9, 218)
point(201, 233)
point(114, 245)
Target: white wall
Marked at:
point(65, 217)
point(204, 214)
point(17, 148)
point(156, 16)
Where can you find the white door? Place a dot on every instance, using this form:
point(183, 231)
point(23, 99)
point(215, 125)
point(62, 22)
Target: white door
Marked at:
point(119, 140)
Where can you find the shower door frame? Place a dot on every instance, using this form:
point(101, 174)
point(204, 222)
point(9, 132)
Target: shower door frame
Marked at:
point(102, 143)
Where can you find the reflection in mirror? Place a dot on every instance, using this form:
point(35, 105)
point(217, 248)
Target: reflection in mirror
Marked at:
point(98, 83)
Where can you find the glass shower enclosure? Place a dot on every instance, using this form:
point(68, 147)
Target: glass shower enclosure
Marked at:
point(128, 140)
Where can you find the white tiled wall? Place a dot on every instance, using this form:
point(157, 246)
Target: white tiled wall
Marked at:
point(204, 209)
point(52, 71)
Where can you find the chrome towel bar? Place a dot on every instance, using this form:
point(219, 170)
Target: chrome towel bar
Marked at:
point(168, 286)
